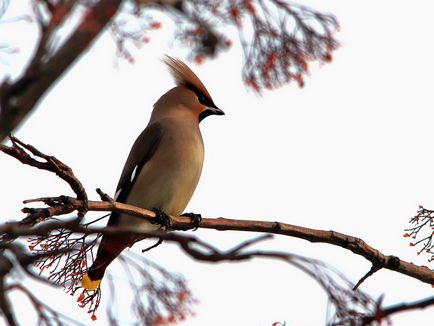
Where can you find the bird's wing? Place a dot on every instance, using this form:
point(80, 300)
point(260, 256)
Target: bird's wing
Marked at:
point(142, 151)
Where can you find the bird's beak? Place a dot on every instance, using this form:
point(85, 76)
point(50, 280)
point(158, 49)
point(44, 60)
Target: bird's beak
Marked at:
point(215, 110)
point(210, 110)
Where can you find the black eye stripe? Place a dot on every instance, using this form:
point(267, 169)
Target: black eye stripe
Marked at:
point(201, 96)
point(202, 99)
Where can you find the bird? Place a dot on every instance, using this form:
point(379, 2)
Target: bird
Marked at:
point(163, 167)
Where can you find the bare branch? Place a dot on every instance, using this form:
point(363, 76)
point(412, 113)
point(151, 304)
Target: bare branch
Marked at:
point(354, 244)
point(278, 38)
point(46, 314)
point(5, 306)
point(51, 164)
point(374, 269)
point(351, 243)
point(343, 298)
point(65, 205)
point(59, 247)
point(19, 98)
point(382, 313)
point(423, 231)
point(349, 304)
point(57, 244)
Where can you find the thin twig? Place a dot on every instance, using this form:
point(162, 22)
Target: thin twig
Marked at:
point(401, 307)
point(375, 268)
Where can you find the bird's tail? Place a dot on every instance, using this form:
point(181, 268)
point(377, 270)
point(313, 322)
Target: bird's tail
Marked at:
point(109, 249)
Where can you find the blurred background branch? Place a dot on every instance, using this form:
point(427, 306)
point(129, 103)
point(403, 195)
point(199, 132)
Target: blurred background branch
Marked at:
point(278, 38)
point(64, 247)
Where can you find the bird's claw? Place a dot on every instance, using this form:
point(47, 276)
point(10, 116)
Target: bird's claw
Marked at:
point(195, 219)
point(161, 218)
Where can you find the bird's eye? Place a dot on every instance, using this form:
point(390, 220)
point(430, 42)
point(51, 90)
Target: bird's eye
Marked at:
point(201, 98)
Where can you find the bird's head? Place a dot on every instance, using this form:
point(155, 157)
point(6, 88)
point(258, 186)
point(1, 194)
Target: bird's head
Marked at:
point(190, 91)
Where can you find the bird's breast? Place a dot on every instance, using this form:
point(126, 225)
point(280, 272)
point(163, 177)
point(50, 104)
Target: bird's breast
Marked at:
point(168, 180)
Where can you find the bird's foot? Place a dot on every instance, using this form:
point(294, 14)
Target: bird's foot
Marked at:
point(195, 219)
point(161, 218)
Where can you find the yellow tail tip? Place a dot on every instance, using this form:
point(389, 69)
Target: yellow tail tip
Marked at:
point(88, 284)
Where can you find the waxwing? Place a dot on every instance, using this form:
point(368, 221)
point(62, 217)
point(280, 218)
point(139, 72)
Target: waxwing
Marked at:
point(164, 164)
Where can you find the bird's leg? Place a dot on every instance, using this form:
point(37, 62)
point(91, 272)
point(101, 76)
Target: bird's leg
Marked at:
point(161, 218)
point(195, 219)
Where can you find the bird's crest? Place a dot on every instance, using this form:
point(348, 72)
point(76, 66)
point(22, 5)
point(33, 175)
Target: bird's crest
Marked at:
point(183, 75)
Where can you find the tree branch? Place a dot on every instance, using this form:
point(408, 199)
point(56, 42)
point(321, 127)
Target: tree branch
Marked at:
point(5, 307)
point(347, 303)
point(351, 243)
point(65, 205)
point(19, 98)
point(342, 297)
point(401, 307)
point(63, 230)
point(278, 51)
point(46, 314)
point(51, 164)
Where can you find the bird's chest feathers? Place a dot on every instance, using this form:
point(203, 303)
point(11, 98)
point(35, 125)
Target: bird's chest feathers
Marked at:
point(170, 177)
point(181, 154)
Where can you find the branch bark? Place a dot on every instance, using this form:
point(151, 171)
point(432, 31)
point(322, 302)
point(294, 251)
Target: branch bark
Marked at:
point(65, 205)
point(274, 53)
point(351, 243)
point(20, 97)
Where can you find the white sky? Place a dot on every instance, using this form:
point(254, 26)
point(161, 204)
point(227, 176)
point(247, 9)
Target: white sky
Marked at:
point(351, 152)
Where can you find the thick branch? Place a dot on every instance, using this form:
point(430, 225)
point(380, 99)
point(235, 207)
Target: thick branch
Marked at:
point(203, 251)
point(19, 98)
point(276, 53)
point(65, 205)
point(351, 243)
